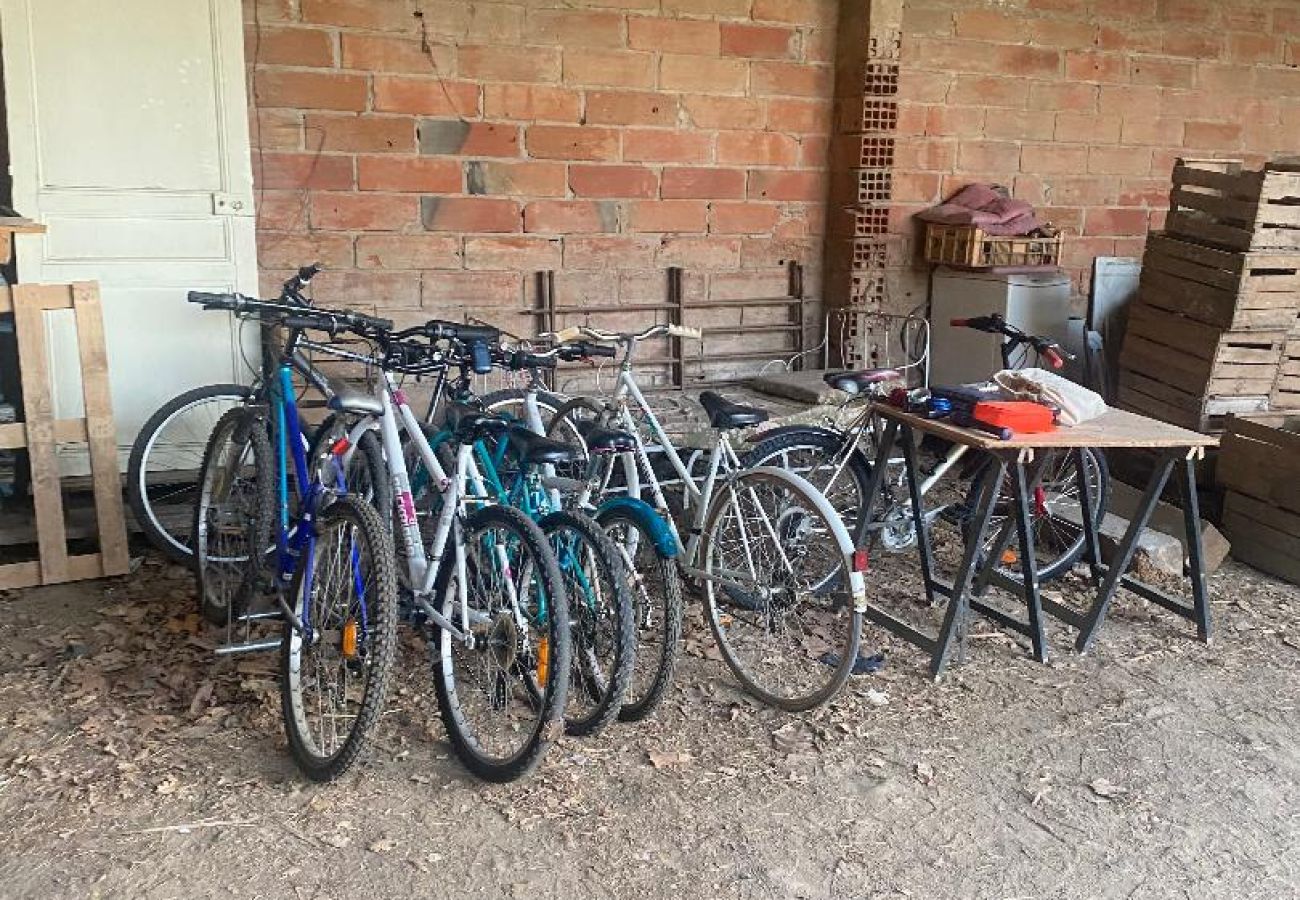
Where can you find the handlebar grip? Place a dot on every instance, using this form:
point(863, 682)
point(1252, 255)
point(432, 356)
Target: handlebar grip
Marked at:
point(305, 322)
point(521, 359)
point(685, 331)
point(599, 350)
point(1054, 358)
point(222, 301)
point(958, 323)
point(373, 322)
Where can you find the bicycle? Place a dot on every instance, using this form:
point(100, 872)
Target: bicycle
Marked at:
point(833, 459)
point(332, 554)
point(755, 534)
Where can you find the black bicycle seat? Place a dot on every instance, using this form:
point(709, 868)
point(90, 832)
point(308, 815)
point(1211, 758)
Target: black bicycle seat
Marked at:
point(346, 398)
point(725, 414)
point(858, 382)
point(471, 424)
point(535, 449)
point(609, 440)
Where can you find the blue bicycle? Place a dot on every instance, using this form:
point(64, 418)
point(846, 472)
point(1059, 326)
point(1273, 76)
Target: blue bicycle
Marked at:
point(274, 517)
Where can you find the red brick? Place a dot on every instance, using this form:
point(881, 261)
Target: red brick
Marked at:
point(281, 210)
point(276, 129)
point(473, 292)
point(574, 28)
point(1089, 66)
point(276, 250)
point(519, 179)
point(725, 112)
point(1063, 34)
point(791, 79)
point(700, 253)
point(1148, 193)
point(1284, 82)
point(988, 90)
point(531, 102)
point(609, 252)
point(764, 252)
point(961, 121)
point(673, 35)
point(509, 63)
point(923, 87)
point(914, 187)
point(1050, 159)
point(310, 90)
point(290, 47)
point(454, 137)
point(703, 184)
point(1119, 160)
point(795, 12)
point(360, 134)
point(814, 151)
point(706, 7)
point(1164, 72)
point(302, 170)
point(613, 181)
point(408, 174)
point(357, 13)
point(757, 148)
point(1188, 12)
point(617, 68)
point(1129, 40)
point(1084, 128)
point(704, 74)
point(1286, 21)
point(988, 156)
point(743, 218)
point(757, 41)
point(1212, 135)
point(1143, 11)
point(489, 23)
point(1254, 48)
point(572, 142)
point(571, 217)
point(769, 185)
point(1115, 221)
point(426, 96)
point(408, 251)
point(1036, 62)
point(929, 22)
point(798, 116)
point(681, 216)
point(469, 214)
point(631, 108)
point(384, 53)
point(645, 145)
point(1191, 43)
point(1062, 97)
point(988, 25)
point(993, 59)
point(924, 155)
point(1201, 105)
point(370, 291)
point(520, 253)
point(363, 212)
point(1129, 100)
point(1019, 124)
point(1157, 132)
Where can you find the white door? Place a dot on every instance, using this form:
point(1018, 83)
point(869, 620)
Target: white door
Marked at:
point(128, 134)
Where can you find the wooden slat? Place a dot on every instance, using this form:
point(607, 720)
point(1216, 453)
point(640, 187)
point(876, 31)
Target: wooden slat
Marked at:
point(1245, 212)
point(38, 415)
point(40, 296)
point(66, 431)
point(100, 431)
point(1268, 433)
point(29, 574)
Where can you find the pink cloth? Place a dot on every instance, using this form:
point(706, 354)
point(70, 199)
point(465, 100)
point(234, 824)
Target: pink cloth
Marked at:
point(986, 208)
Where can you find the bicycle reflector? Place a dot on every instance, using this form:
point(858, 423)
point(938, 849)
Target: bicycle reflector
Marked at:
point(350, 639)
point(341, 446)
point(861, 559)
point(543, 661)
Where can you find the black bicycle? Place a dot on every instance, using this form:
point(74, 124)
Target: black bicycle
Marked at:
point(838, 460)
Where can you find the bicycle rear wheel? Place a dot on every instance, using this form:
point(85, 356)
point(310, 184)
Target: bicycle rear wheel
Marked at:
point(501, 694)
point(334, 677)
point(162, 480)
point(787, 630)
point(366, 475)
point(235, 513)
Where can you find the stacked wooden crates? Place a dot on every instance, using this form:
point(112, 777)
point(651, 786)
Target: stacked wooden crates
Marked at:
point(1259, 468)
point(1219, 297)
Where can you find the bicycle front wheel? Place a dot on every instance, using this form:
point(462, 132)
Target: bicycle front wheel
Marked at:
point(334, 673)
point(162, 480)
point(777, 591)
point(502, 688)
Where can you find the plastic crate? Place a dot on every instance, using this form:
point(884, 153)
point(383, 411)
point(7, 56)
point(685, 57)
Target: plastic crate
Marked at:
point(969, 247)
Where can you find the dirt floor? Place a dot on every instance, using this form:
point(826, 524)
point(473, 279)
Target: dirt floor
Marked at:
point(135, 764)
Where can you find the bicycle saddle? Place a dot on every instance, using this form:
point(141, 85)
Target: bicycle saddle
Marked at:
point(725, 414)
point(536, 449)
point(471, 424)
point(858, 382)
point(608, 440)
point(346, 398)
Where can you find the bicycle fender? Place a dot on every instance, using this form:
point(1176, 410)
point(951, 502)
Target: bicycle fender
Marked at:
point(857, 584)
point(793, 429)
point(644, 515)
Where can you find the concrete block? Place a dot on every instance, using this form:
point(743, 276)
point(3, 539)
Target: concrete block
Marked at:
point(1168, 519)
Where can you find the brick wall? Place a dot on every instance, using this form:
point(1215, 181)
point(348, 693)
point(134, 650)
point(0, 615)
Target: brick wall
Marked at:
point(1081, 106)
point(433, 155)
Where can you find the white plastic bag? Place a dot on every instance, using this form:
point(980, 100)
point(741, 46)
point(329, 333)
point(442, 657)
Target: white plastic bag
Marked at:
point(1076, 403)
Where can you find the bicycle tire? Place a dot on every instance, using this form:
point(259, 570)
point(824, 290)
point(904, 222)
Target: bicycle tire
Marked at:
point(607, 698)
point(228, 577)
point(379, 616)
point(176, 543)
point(550, 716)
point(504, 400)
point(1057, 566)
point(662, 631)
point(367, 467)
point(798, 534)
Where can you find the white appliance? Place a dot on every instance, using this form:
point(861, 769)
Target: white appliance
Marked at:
point(1035, 302)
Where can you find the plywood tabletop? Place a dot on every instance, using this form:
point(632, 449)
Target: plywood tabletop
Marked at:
point(1114, 429)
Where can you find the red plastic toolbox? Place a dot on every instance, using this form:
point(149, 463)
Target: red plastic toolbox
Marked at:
point(1021, 416)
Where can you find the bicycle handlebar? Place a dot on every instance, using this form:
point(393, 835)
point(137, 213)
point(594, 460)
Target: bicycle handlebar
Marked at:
point(293, 316)
point(575, 332)
point(996, 324)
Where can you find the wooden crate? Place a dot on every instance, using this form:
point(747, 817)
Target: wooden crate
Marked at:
point(1216, 201)
point(1192, 374)
point(1233, 290)
point(970, 247)
point(1259, 466)
point(1286, 389)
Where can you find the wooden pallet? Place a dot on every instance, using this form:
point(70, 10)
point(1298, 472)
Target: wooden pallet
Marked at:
point(1259, 465)
point(1286, 389)
point(40, 433)
point(1216, 201)
point(1192, 374)
point(1235, 290)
